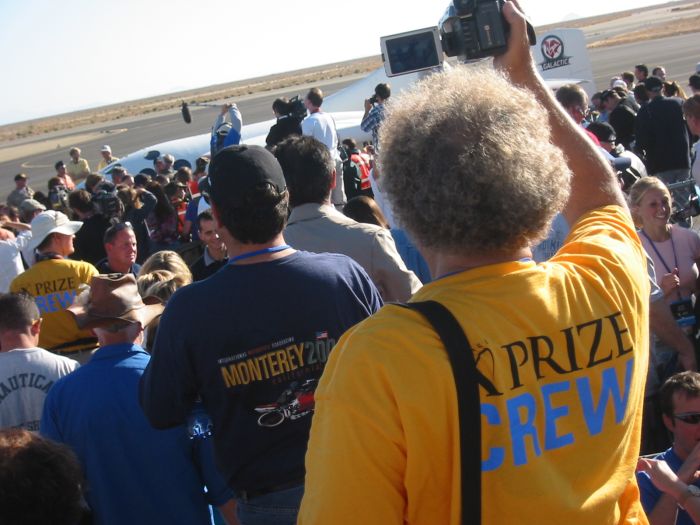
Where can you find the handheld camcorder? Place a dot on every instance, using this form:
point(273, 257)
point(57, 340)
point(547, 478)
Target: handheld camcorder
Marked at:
point(469, 29)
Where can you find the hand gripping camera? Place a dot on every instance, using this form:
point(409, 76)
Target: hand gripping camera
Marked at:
point(469, 29)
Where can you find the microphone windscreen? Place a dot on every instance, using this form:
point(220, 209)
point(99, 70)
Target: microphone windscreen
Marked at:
point(186, 116)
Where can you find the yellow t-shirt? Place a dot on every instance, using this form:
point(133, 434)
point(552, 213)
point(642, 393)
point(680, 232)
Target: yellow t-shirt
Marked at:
point(564, 345)
point(54, 284)
point(79, 170)
point(103, 163)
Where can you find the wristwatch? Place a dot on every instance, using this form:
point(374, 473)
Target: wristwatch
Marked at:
point(691, 491)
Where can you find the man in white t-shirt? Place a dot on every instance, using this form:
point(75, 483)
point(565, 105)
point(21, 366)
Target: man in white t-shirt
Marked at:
point(27, 372)
point(321, 126)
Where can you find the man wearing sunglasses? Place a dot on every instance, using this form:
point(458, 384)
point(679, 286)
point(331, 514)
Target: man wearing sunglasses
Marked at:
point(680, 403)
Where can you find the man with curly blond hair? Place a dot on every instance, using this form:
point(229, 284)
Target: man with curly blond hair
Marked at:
point(476, 162)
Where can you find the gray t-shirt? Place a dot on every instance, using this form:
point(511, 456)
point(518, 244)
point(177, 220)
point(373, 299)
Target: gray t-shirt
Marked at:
point(26, 375)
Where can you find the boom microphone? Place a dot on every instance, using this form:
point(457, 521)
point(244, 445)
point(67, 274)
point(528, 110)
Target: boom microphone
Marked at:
point(186, 115)
point(185, 108)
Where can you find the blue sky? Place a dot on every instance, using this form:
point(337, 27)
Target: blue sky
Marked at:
point(63, 55)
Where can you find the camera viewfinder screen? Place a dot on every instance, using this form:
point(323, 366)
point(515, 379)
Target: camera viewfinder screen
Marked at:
point(412, 52)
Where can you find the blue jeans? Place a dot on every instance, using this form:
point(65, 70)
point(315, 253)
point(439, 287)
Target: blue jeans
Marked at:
point(276, 508)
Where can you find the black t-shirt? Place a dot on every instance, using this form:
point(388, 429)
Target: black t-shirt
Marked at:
point(88, 240)
point(252, 341)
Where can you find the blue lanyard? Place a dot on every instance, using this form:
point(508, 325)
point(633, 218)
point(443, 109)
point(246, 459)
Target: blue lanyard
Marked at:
point(673, 247)
point(248, 255)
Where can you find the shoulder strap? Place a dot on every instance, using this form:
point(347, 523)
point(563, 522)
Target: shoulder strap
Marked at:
point(467, 381)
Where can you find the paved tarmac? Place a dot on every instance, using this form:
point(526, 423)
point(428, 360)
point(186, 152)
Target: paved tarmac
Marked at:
point(36, 156)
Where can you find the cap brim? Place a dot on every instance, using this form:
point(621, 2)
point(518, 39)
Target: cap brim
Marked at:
point(69, 228)
point(622, 163)
point(619, 163)
point(143, 315)
point(41, 207)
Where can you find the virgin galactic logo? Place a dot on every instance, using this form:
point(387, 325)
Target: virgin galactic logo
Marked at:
point(553, 53)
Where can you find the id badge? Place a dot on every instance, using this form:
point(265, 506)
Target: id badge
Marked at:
point(683, 312)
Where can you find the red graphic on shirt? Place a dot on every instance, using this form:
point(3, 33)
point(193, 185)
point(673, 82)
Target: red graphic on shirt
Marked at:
point(295, 402)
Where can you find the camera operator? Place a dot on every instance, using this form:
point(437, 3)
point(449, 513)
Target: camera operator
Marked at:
point(374, 111)
point(286, 125)
point(546, 448)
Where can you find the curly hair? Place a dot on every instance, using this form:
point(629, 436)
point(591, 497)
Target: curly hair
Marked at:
point(467, 163)
point(40, 480)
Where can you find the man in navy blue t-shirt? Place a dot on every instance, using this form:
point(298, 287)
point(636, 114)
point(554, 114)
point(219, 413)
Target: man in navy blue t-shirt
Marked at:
point(253, 339)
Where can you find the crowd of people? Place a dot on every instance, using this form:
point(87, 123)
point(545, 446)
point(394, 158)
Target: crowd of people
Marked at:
point(491, 305)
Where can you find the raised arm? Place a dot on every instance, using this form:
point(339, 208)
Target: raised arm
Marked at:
point(593, 184)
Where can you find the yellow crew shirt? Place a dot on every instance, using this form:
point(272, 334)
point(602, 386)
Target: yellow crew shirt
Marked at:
point(54, 285)
point(564, 348)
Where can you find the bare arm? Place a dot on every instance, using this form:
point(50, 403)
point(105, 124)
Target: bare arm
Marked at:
point(664, 512)
point(593, 183)
point(675, 491)
point(19, 226)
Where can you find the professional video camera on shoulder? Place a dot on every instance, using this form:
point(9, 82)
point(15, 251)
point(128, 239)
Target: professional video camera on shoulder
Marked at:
point(296, 109)
point(469, 29)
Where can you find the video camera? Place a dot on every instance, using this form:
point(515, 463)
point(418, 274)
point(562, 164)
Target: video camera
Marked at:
point(469, 29)
point(296, 110)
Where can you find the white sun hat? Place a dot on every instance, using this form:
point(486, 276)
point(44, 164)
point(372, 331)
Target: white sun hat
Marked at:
point(49, 222)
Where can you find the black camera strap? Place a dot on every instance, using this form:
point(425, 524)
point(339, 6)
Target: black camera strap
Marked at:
point(466, 377)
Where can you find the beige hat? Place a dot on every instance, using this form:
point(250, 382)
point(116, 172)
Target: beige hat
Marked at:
point(49, 222)
point(114, 297)
point(31, 205)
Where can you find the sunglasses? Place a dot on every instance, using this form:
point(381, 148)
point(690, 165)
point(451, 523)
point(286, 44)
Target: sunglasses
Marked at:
point(692, 418)
point(122, 226)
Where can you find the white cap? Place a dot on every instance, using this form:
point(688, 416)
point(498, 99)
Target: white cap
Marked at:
point(106, 148)
point(619, 83)
point(49, 222)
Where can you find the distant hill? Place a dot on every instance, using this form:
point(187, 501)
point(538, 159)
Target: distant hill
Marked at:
point(685, 20)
